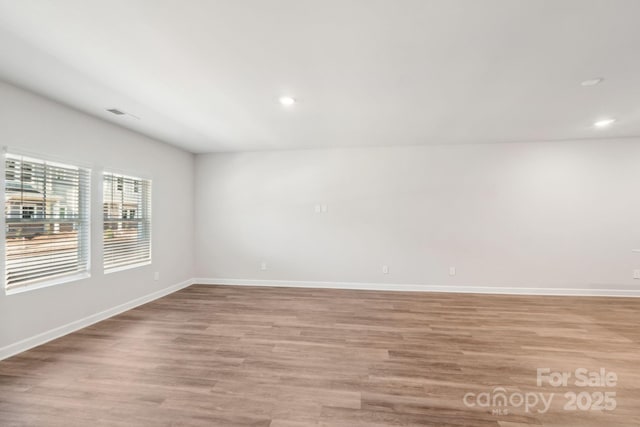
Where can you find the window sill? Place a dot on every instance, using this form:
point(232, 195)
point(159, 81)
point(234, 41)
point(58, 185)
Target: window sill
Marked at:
point(47, 283)
point(127, 267)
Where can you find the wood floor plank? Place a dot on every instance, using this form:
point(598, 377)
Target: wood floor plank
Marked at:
point(285, 357)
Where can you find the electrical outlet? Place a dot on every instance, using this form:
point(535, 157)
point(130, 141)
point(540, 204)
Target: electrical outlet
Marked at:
point(263, 266)
point(452, 271)
point(385, 269)
point(636, 274)
point(156, 275)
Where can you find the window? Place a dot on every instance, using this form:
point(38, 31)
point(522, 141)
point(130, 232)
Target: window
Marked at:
point(26, 171)
point(47, 222)
point(27, 212)
point(127, 221)
point(10, 170)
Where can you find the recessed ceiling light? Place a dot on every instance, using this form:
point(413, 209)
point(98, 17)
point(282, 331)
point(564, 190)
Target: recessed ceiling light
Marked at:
point(287, 100)
point(592, 82)
point(604, 123)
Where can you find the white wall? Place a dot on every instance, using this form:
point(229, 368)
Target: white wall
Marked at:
point(522, 215)
point(34, 124)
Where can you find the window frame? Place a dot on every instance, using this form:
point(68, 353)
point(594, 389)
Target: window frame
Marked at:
point(140, 184)
point(84, 206)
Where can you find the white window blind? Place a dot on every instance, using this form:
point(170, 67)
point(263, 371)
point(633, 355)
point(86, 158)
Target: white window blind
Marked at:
point(46, 219)
point(127, 221)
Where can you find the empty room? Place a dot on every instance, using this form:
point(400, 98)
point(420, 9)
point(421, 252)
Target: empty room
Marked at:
point(320, 213)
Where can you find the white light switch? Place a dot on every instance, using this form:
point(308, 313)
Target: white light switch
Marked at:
point(452, 271)
point(263, 265)
point(636, 274)
point(324, 208)
point(385, 269)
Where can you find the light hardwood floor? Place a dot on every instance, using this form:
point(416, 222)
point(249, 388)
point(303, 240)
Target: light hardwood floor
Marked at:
point(282, 357)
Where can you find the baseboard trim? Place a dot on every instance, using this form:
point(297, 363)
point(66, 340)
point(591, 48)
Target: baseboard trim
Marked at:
point(29, 343)
point(422, 288)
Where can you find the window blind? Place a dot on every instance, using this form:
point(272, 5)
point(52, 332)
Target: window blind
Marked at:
point(47, 220)
point(127, 221)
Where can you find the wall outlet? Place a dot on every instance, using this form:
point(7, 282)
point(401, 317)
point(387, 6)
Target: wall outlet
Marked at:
point(452, 271)
point(385, 269)
point(156, 275)
point(636, 274)
point(263, 265)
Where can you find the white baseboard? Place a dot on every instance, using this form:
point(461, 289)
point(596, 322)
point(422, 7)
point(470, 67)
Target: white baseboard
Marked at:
point(52, 334)
point(422, 288)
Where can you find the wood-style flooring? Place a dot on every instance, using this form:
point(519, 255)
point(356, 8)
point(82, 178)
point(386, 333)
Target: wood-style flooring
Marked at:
point(284, 357)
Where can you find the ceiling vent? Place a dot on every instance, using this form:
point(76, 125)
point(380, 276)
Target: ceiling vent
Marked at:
point(116, 111)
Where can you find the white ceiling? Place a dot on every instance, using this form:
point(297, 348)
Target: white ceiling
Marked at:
point(206, 75)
